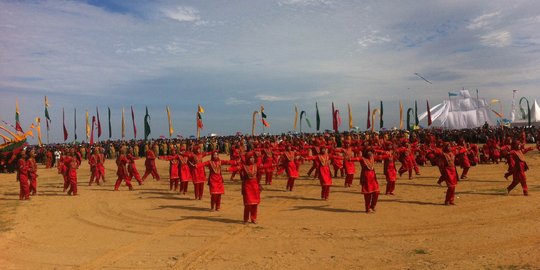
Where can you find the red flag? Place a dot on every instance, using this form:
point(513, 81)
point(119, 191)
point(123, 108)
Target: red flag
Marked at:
point(337, 120)
point(64, 123)
point(92, 132)
point(368, 116)
point(98, 124)
point(429, 122)
point(133, 120)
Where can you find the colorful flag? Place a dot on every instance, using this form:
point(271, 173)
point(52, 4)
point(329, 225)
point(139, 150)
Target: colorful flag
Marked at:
point(416, 122)
point(17, 114)
point(75, 123)
point(317, 117)
point(38, 128)
point(302, 114)
point(110, 126)
point(146, 124)
point(92, 130)
point(400, 115)
point(171, 130)
point(295, 117)
point(334, 123)
point(47, 117)
point(263, 117)
point(368, 116)
point(87, 126)
point(123, 124)
point(64, 124)
point(429, 122)
point(381, 121)
point(200, 109)
point(254, 123)
point(98, 124)
point(133, 121)
point(350, 117)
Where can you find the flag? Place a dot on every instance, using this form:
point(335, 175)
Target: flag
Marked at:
point(110, 126)
point(494, 101)
point(263, 117)
point(47, 117)
point(375, 112)
point(92, 130)
point(400, 115)
point(295, 117)
point(381, 121)
point(409, 111)
point(98, 124)
point(17, 114)
point(253, 123)
point(368, 116)
point(317, 117)
point(350, 117)
point(123, 125)
point(171, 130)
point(334, 122)
point(302, 114)
point(75, 123)
point(200, 109)
point(64, 124)
point(452, 94)
point(133, 121)
point(146, 124)
point(416, 122)
point(87, 126)
point(513, 112)
point(38, 128)
point(429, 122)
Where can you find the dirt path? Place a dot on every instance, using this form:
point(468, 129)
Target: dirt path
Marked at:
point(153, 228)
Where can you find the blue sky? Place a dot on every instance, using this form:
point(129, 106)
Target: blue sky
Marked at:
point(233, 56)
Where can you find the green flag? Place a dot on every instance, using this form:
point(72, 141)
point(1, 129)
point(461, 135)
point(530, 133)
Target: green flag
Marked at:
point(317, 117)
point(381, 121)
point(146, 124)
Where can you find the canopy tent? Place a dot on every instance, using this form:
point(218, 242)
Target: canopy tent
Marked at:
point(460, 112)
point(535, 117)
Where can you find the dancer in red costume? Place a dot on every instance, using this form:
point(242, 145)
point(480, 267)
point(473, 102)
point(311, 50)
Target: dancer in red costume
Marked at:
point(32, 171)
point(22, 176)
point(132, 167)
point(174, 176)
point(150, 165)
point(518, 166)
point(121, 171)
point(215, 179)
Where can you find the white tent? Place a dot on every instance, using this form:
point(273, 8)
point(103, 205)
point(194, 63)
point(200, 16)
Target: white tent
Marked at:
point(535, 117)
point(460, 112)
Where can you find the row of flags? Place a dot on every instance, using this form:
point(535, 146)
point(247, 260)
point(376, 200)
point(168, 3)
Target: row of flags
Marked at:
point(412, 120)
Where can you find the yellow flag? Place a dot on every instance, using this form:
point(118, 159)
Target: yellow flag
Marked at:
point(201, 109)
point(123, 125)
point(400, 115)
point(87, 126)
point(350, 117)
point(295, 117)
point(375, 112)
point(171, 130)
point(38, 128)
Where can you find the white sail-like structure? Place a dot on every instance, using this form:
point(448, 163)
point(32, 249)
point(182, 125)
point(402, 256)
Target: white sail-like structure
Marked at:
point(460, 112)
point(535, 117)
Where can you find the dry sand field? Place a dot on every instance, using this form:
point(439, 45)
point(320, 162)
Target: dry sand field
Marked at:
point(154, 228)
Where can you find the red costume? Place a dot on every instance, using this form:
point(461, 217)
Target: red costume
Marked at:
point(449, 173)
point(32, 174)
point(121, 172)
point(132, 169)
point(72, 165)
point(368, 180)
point(323, 170)
point(185, 173)
point(22, 177)
point(518, 167)
point(174, 176)
point(215, 180)
point(150, 165)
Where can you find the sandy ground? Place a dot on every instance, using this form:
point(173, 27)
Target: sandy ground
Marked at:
point(154, 228)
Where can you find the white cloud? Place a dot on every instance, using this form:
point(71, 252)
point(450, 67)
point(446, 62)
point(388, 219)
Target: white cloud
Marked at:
point(273, 98)
point(496, 39)
point(304, 2)
point(236, 101)
point(483, 21)
point(373, 38)
point(183, 14)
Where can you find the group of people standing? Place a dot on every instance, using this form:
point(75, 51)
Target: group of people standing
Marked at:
point(267, 156)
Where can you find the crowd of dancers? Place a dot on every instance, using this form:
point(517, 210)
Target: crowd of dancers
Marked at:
point(329, 156)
